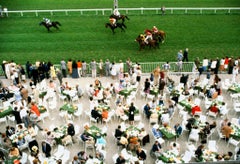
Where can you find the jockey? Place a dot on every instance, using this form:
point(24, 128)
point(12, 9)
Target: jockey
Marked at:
point(116, 12)
point(142, 37)
point(112, 21)
point(47, 21)
point(148, 37)
point(155, 29)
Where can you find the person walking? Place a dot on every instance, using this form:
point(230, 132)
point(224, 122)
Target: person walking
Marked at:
point(132, 110)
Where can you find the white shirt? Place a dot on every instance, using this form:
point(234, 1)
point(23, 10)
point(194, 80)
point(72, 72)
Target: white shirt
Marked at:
point(205, 62)
point(23, 113)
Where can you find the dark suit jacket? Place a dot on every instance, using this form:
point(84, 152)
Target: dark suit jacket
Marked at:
point(46, 148)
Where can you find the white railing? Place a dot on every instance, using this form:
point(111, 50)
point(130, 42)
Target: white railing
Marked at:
point(185, 9)
point(128, 10)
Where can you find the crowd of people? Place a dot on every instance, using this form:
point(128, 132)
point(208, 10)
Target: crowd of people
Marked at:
point(27, 111)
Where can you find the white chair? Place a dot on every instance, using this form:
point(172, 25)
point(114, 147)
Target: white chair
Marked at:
point(24, 158)
point(78, 113)
point(3, 119)
point(235, 121)
point(197, 101)
point(59, 153)
point(233, 142)
point(212, 114)
point(66, 156)
point(203, 118)
point(212, 146)
point(208, 103)
point(187, 156)
point(194, 135)
point(11, 119)
point(115, 156)
point(220, 135)
point(62, 97)
point(236, 106)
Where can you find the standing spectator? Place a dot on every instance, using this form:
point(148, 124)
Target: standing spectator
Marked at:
point(84, 68)
point(231, 65)
point(63, 68)
point(139, 73)
point(205, 64)
point(107, 67)
point(16, 76)
point(197, 63)
point(113, 71)
point(75, 73)
point(28, 69)
point(100, 66)
point(178, 129)
point(179, 65)
point(156, 74)
point(163, 9)
point(59, 76)
point(166, 66)
point(234, 74)
point(22, 72)
point(17, 116)
point(93, 66)
point(147, 86)
point(69, 66)
point(179, 55)
point(52, 72)
point(226, 63)
point(161, 86)
point(132, 110)
point(217, 66)
point(129, 66)
point(121, 66)
point(24, 116)
point(79, 68)
point(35, 75)
point(221, 67)
point(185, 55)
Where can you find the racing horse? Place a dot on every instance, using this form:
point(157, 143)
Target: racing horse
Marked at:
point(121, 17)
point(122, 26)
point(160, 35)
point(48, 26)
point(142, 44)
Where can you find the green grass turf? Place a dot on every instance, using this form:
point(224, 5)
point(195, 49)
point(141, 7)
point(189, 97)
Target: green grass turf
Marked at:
point(79, 4)
point(85, 37)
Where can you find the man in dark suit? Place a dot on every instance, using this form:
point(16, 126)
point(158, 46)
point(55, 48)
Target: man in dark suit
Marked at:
point(118, 132)
point(95, 114)
point(46, 149)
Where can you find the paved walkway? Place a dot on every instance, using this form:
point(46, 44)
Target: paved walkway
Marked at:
point(112, 148)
